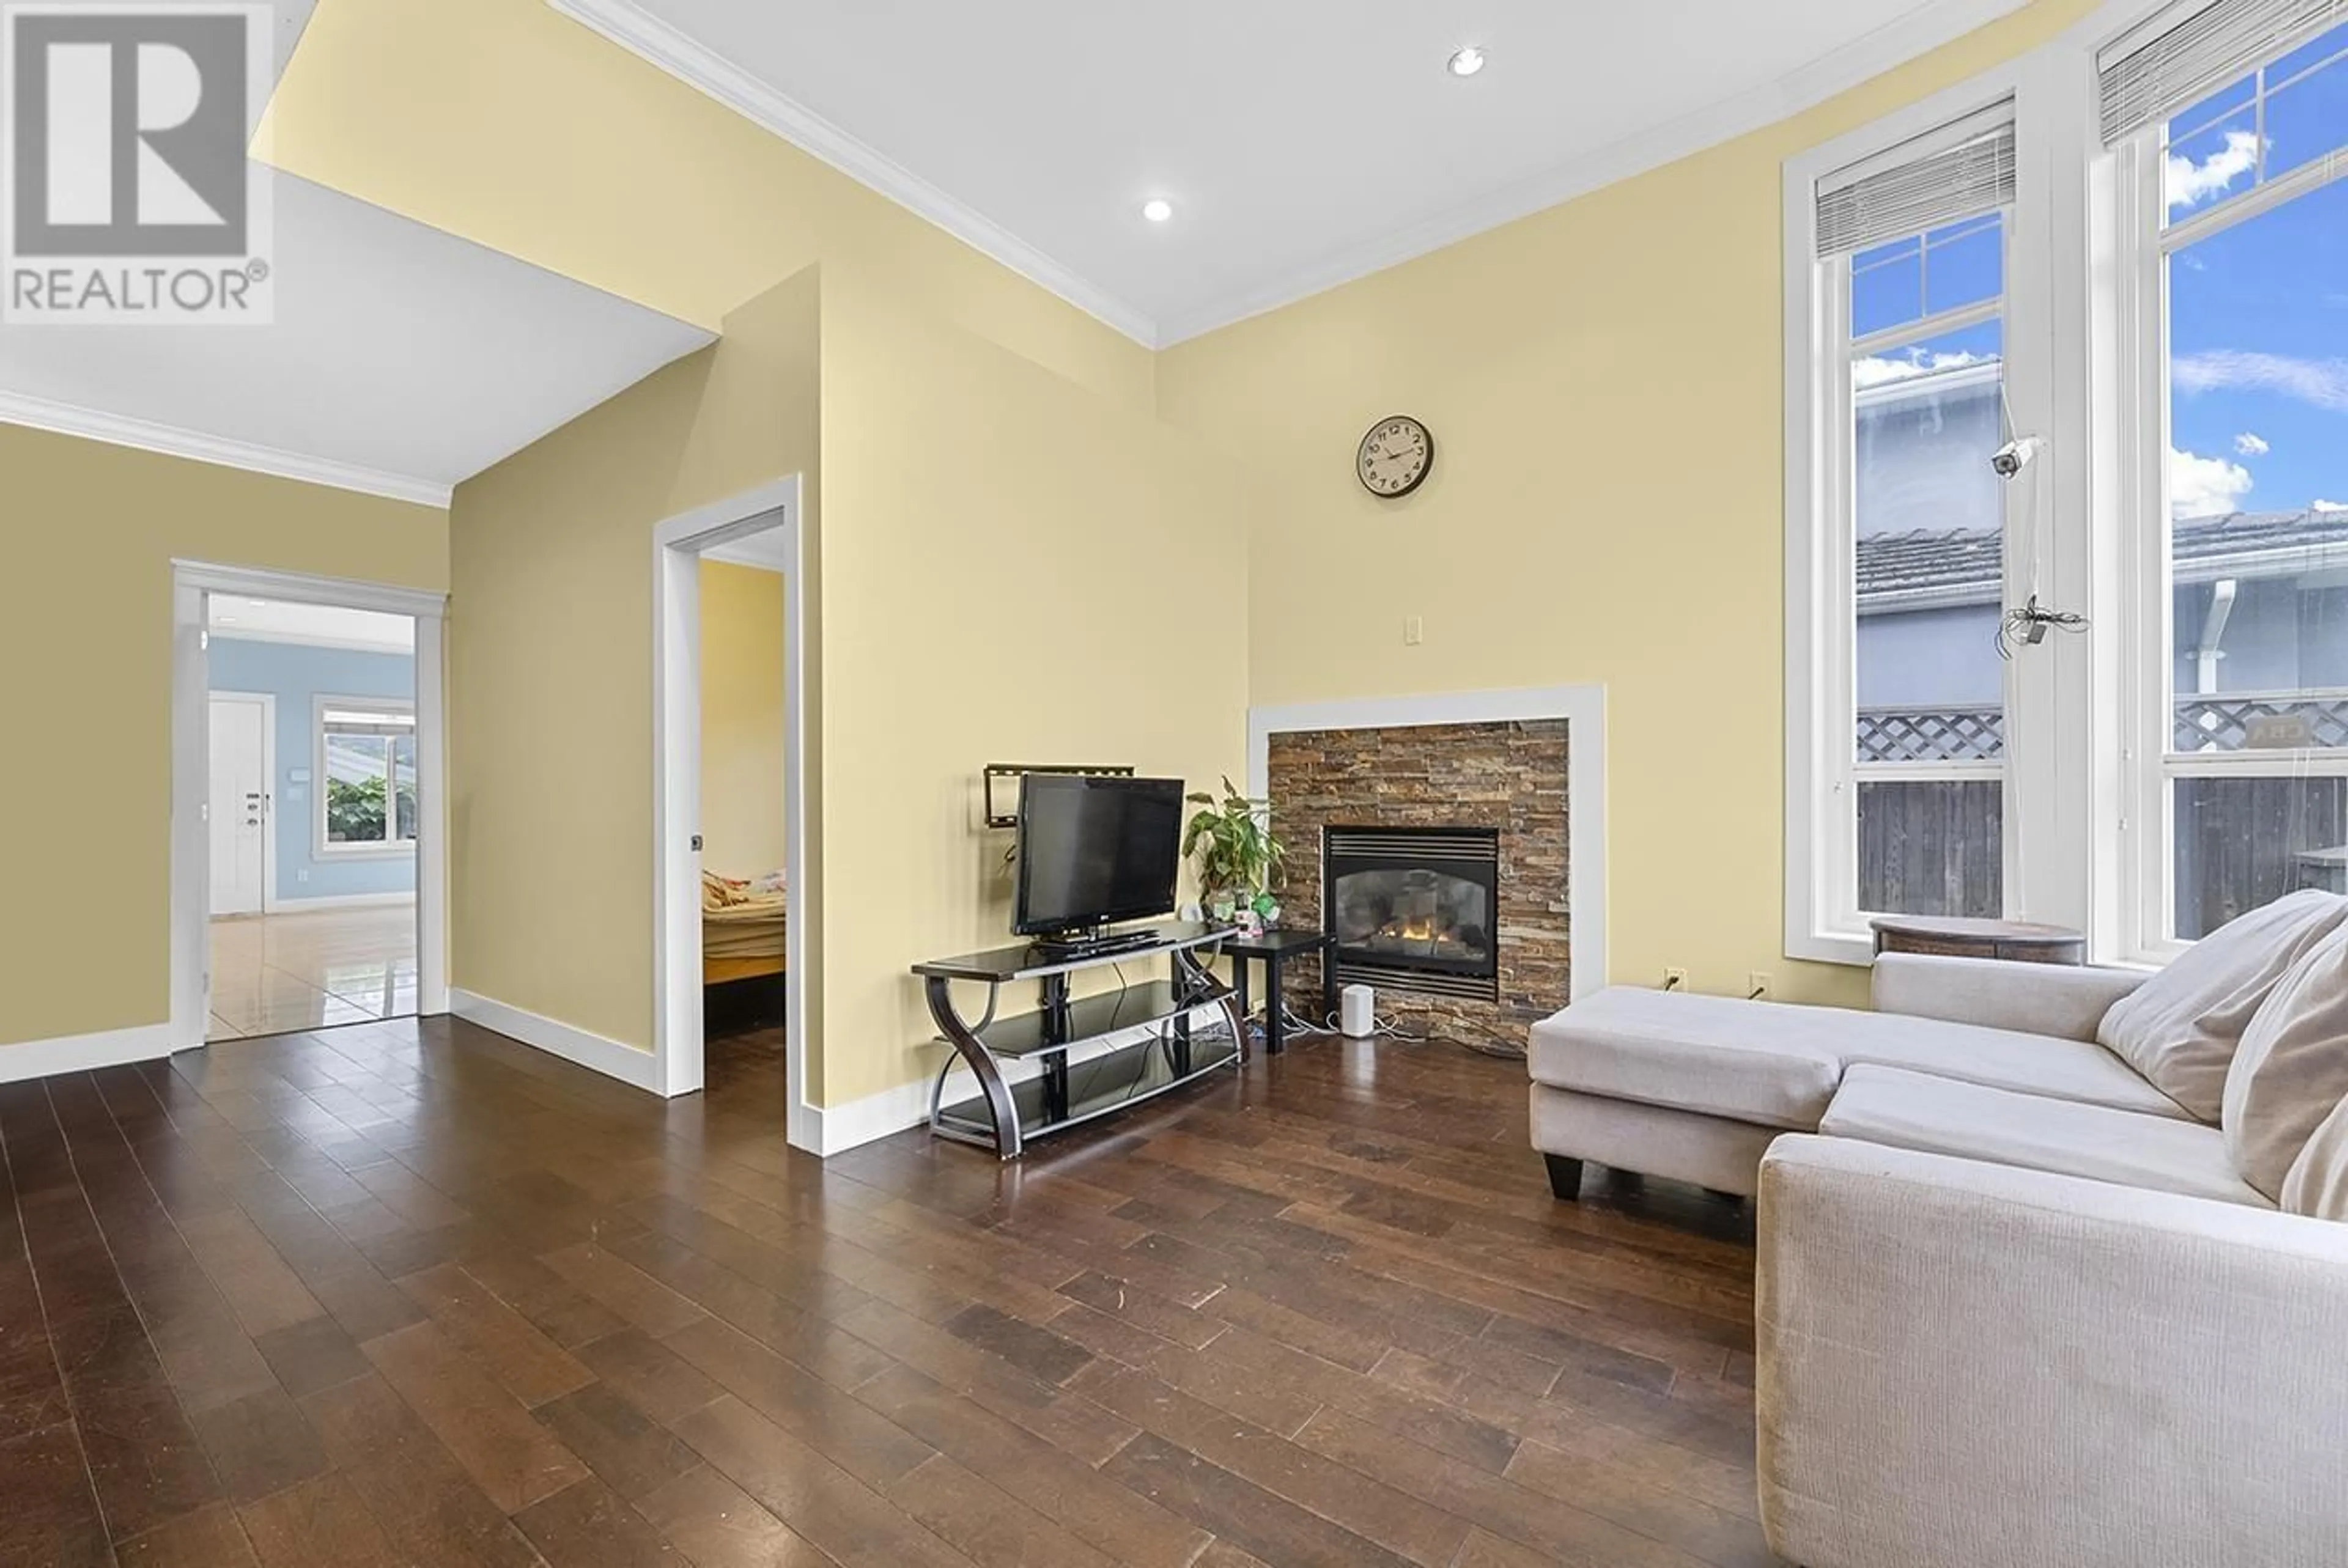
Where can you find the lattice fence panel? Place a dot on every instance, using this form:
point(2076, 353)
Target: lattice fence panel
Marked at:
point(1931, 734)
point(2259, 721)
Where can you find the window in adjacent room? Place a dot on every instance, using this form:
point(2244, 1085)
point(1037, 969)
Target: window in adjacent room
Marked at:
point(2232, 132)
point(366, 775)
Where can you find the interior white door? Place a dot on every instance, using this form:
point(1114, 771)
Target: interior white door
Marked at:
point(240, 804)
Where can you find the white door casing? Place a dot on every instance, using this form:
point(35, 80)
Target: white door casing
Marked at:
point(678, 544)
point(239, 803)
point(190, 891)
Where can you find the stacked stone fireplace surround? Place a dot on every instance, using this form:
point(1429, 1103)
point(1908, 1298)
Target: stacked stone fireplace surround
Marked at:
point(1509, 775)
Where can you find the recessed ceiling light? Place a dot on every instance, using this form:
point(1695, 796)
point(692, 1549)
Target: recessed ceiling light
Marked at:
point(1158, 210)
point(1465, 63)
point(228, 619)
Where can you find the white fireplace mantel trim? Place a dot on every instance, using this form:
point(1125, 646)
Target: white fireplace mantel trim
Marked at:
point(1583, 709)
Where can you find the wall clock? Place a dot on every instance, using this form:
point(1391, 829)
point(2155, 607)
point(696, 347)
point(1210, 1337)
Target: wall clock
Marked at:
point(1395, 457)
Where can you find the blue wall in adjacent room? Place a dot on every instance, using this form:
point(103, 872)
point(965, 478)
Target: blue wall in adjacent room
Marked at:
point(296, 675)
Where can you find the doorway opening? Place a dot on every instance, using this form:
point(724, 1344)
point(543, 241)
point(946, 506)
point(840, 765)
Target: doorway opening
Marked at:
point(312, 812)
point(308, 882)
point(730, 933)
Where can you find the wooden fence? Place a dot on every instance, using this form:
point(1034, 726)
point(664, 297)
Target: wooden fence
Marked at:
point(2244, 841)
point(1932, 846)
point(1935, 846)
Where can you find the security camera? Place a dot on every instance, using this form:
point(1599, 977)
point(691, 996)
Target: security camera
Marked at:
point(2008, 459)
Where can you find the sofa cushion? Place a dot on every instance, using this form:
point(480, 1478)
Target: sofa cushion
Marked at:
point(1777, 1064)
point(1750, 1061)
point(2317, 1183)
point(1942, 1116)
point(2292, 1068)
point(2000, 1059)
point(2181, 1028)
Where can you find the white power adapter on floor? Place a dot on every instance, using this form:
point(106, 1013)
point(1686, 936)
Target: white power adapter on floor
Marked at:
point(1357, 1012)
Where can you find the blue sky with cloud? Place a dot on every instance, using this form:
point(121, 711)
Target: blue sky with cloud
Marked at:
point(2259, 311)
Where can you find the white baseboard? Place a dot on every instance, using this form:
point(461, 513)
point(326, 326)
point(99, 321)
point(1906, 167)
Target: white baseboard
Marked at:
point(82, 1052)
point(634, 1067)
point(339, 901)
point(840, 1128)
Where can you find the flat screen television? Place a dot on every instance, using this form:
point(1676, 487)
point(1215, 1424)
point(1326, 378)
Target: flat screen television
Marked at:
point(1095, 850)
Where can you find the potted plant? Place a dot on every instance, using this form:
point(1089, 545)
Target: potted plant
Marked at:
point(1237, 854)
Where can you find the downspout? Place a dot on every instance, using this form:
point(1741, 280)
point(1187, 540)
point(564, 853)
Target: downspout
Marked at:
point(2213, 629)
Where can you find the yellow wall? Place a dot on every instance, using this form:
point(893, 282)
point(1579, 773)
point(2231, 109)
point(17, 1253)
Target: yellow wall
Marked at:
point(90, 531)
point(996, 485)
point(996, 546)
point(1603, 381)
point(506, 122)
point(1003, 472)
point(550, 661)
point(741, 719)
point(1013, 569)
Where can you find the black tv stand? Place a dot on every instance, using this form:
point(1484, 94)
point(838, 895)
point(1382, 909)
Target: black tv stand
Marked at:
point(1163, 1053)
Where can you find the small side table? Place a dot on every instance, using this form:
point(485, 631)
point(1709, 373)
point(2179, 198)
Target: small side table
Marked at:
point(1956, 937)
point(1274, 947)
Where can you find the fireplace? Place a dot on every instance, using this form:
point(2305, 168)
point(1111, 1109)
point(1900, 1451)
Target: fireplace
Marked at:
point(1412, 909)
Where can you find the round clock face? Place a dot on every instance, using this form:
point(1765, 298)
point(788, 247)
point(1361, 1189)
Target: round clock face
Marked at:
point(1396, 456)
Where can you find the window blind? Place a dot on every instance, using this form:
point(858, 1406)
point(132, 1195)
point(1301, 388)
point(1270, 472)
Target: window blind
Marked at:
point(2186, 53)
point(1962, 170)
point(369, 721)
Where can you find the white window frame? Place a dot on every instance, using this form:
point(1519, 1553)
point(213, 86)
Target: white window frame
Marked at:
point(2089, 836)
point(1823, 920)
point(386, 849)
point(2132, 221)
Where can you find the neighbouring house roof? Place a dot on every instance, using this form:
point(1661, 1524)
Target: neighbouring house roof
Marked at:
point(1928, 569)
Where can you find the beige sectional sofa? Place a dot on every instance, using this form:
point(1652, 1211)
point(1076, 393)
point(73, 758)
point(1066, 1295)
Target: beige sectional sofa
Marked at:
point(1695, 1087)
point(2051, 1262)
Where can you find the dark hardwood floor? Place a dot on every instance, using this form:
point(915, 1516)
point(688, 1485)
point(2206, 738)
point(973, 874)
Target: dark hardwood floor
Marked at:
point(413, 1294)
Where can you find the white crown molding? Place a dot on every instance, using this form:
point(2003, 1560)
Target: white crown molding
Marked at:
point(1894, 44)
point(704, 69)
point(117, 430)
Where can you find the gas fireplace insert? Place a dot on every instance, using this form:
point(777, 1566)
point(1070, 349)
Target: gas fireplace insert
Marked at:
point(1412, 909)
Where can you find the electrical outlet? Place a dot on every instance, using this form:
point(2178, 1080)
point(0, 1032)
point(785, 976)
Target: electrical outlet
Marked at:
point(1759, 984)
point(301, 873)
point(1675, 979)
point(1414, 630)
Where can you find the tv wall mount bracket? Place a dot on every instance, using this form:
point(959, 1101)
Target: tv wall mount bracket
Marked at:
point(998, 816)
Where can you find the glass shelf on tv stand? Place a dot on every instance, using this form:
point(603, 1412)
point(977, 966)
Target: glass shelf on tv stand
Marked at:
point(1004, 1115)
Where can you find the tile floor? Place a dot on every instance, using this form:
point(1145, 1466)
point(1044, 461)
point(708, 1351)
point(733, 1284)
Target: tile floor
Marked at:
point(276, 973)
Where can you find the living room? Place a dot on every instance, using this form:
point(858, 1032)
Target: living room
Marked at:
point(1331, 444)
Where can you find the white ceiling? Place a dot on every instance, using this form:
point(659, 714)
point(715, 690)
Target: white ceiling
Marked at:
point(319, 625)
point(400, 361)
point(1301, 143)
